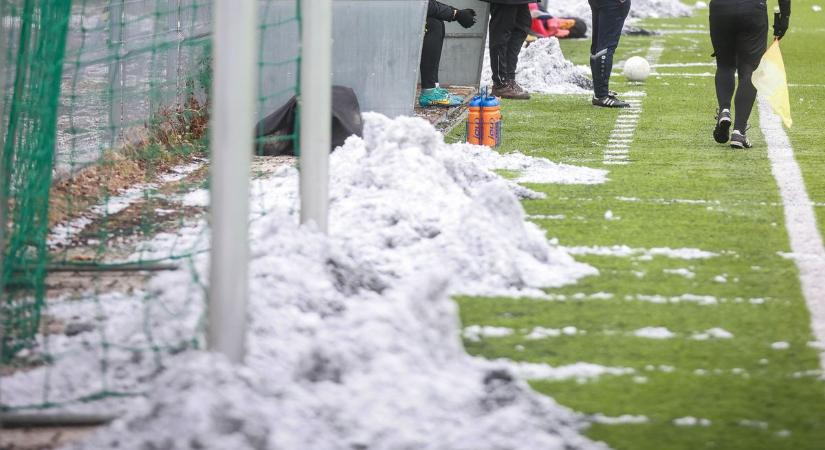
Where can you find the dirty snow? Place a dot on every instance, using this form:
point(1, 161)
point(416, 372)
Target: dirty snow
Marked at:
point(343, 328)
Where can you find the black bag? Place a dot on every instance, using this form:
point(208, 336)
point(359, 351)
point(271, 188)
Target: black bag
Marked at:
point(579, 29)
point(346, 121)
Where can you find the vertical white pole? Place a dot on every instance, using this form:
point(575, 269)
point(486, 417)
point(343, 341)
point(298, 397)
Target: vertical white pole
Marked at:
point(316, 110)
point(233, 99)
point(3, 106)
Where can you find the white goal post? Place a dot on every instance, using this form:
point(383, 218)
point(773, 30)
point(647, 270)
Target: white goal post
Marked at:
point(235, 78)
point(316, 107)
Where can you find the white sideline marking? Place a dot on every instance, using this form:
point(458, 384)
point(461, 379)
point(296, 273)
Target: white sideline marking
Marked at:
point(800, 220)
point(617, 150)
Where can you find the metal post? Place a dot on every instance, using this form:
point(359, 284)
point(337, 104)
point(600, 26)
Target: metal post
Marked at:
point(316, 110)
point(233, 96)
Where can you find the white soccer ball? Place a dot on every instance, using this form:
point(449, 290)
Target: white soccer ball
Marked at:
point(636, 68)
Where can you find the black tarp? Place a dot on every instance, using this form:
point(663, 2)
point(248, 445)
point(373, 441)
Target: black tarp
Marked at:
point(346, 121)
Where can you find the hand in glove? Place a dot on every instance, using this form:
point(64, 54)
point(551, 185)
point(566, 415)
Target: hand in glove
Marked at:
point(465, 17)
point(780, 25)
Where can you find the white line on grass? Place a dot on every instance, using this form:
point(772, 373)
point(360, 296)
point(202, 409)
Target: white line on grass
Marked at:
point(800, 220)
point(617, 151)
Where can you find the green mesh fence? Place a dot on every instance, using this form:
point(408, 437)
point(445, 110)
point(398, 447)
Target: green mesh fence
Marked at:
point(27, 160)
point(105, 119)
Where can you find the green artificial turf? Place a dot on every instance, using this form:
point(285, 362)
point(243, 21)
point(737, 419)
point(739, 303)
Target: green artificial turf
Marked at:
point(681, 190)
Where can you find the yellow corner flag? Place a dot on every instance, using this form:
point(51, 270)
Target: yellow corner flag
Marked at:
point(771, 82)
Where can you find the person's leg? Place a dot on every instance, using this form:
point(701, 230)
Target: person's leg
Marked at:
point(612, 14)
point(431, 52)
point(723, 38)
point(751, 44)
point(594, 35)
point(518, 32)
point(499, 34)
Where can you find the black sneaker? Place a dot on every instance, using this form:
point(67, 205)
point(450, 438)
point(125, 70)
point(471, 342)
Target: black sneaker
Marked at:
point(610, 101)
point(739, 140)
point(721, 133)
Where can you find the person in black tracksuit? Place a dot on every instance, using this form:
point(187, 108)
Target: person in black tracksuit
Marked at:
point(510, 20)
point(437, 14)
point(608, 21)
point(739, 34)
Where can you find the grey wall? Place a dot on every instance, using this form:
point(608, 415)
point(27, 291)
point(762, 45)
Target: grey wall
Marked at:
point(461, 58)
point(376, 52)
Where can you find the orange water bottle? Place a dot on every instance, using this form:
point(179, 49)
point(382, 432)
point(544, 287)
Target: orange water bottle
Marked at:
point(474, 126)
point(491, 121)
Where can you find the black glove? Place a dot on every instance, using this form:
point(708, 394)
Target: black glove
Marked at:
point(780, 24)
point(465, 17)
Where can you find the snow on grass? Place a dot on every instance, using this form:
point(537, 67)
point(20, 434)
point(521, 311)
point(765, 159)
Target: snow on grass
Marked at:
point(542, 333)
point(654, 333)
point(342, 327)
point(554, 297)
point(580, 371)
point(781, 345)
point(656, 298)
point(476, 332)
point(623, 251)
point(624, 419)
point(199, 197)
point(690, 421)
point(63, 233)
point(534, 170)
point(712, 333)
point(682, 272)
point(753, 424)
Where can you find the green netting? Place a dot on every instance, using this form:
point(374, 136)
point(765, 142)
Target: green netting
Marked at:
point(105, 119)
point(27, 160)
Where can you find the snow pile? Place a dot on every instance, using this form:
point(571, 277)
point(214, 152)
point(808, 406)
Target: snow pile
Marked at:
point(353, 341)
point(543, 69)
point(644, 9)
point(639, 9)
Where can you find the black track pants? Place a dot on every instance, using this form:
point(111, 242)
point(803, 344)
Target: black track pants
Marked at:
point(431, 52)
point(508, 28)
point(608, 21)
point(739, 40)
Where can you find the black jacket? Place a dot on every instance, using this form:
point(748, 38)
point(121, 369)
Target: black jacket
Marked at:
point(440, 11)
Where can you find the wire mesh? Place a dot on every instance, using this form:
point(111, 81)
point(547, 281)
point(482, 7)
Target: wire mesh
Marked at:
point(113, 192)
